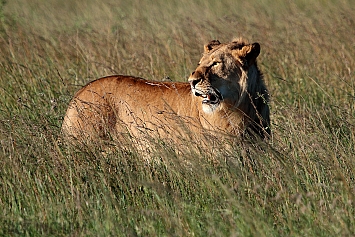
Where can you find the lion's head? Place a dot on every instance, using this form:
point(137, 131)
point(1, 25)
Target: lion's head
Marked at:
point(227, 78)
point(221, 73)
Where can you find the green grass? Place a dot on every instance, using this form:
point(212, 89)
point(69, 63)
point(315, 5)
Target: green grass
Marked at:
point(300, 183)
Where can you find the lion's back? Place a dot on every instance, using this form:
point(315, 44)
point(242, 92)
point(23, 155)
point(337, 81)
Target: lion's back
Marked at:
point(104, 105)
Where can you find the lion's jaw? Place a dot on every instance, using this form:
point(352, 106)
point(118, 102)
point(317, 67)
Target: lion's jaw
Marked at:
point(213, 96)
point(209, 97)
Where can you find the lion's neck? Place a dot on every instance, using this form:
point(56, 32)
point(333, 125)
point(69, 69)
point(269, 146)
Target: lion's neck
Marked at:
point(223, 120)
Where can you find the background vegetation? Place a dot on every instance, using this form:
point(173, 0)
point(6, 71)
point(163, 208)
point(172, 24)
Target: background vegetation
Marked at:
point(301, 183)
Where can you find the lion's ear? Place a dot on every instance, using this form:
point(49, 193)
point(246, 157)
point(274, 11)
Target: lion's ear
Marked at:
point(249, 53)
point(208, 47)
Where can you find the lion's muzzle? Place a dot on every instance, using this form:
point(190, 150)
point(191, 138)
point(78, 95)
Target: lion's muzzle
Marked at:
point(209, 94)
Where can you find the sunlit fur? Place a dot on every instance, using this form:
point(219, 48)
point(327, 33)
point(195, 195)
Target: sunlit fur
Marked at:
point(125, 104)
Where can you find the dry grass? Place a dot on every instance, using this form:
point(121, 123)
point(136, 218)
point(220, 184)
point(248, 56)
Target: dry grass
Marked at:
point(301, 183)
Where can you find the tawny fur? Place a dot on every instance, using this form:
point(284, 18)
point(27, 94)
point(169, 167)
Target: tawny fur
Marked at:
point(226, 94)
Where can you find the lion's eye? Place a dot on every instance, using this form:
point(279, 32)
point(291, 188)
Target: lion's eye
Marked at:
point(215, 63)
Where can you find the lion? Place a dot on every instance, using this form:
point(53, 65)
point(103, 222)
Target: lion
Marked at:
point(225, 94)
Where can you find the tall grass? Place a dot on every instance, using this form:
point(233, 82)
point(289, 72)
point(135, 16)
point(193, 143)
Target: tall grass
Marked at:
point(300, 183)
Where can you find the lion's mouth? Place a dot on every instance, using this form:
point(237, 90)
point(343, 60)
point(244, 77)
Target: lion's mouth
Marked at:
point(212, 98)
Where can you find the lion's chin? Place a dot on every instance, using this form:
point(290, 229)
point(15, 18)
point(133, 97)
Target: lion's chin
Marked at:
point(209, 108)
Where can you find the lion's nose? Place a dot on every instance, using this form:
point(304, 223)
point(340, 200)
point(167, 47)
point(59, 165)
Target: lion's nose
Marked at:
point(194, 81)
